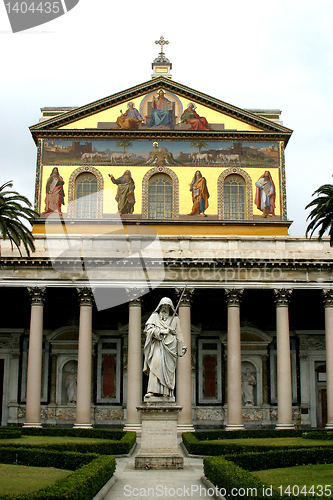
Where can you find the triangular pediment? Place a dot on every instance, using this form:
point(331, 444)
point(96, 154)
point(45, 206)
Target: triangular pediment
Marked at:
point(159, 104)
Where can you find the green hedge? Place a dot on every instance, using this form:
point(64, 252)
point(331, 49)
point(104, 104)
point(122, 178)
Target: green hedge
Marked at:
point(328, 435)
point(10, 433)
point(232, 472)
point(247, 434)
point(83, 484)
point(275, 459)
point(234, 482)
point(106, 447)
point(40, 457)
point(205, 447)
point(62, 431)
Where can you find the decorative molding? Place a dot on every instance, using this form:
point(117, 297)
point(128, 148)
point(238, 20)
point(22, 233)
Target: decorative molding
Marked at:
point(233, 296)
point(5, 343)
point(187, 297)
point(134, 296)
point(38, 185)
point(328, 298)
point(283, 191)
point(71, 189)
point(249, 192)
point(312, 343)
point(282, 296)
point(86, 296)
point(303, 357)
point(37, 295)
point(175, 186)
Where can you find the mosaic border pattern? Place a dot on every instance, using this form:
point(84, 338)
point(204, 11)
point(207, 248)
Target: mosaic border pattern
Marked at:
point(175, 184)
point(71, 189)
point(38, 182)
point(249, 192)
point(283, 195)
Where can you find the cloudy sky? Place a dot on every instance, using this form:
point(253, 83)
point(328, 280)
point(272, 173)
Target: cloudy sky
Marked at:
point(258, 54)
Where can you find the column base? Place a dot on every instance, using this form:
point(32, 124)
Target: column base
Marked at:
point(32, 424)
point(235, 427)
point(284, 426)
point(329, 426)
point(184, 428)
point(133, 427)
point(82, 426)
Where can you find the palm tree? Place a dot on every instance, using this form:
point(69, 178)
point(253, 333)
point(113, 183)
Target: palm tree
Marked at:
point(124, 144)
point(199, 144)
point(322, 213)
point(11, 211)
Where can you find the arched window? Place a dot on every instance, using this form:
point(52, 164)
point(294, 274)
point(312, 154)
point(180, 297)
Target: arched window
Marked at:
point(234, 198)
point(160, 197)
point(85, 196)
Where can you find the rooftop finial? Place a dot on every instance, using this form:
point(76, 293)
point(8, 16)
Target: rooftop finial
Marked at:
point(161, 64)
point(162, 42)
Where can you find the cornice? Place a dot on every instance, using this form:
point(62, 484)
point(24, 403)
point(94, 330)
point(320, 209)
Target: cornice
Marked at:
point(173, 263)
point(161, 134)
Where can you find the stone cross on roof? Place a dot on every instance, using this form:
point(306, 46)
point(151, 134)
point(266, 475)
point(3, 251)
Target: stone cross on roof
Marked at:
point(162, 42)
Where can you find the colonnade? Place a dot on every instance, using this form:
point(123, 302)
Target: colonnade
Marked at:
point(183, 383)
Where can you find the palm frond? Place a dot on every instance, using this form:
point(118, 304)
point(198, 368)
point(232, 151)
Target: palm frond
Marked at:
point(321, 215)
point(14, 208)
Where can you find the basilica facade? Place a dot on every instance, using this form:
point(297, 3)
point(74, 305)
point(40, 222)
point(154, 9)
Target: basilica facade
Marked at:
point(163, 191)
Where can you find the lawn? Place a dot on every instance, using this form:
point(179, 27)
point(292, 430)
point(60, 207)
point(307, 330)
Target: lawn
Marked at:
point(303, 475)
point(17, 479)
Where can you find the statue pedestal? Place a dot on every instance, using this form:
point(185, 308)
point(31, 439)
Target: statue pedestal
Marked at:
point(159, 447)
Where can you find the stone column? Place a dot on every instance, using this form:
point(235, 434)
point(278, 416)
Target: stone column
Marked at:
point(233, 297)
point(184, 366)
point(284, 384)
point(83, 397)
point(328, 303)
point(34, 374)
point(134, 364)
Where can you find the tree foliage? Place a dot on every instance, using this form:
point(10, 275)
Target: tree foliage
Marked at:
point(124, 144)
point(321, 215)
point(13, 208)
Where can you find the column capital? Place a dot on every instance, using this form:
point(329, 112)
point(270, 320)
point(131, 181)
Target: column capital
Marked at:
point(187, 297)
point(282, 296)
point(86, 297)
point(37, 295)
point(134, 296)
point(233, 296)
point(328, 298)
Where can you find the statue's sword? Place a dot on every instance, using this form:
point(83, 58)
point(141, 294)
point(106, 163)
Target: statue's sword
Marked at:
point(177, 306)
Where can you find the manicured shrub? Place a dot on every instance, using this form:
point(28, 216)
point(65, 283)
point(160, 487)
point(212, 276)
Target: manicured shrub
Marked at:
point(105, 447)
point(91, 473)
point(248, 434)
point(9, 433)
point(275, 459)
point(209, 448)
point(85, 433)
point(231, 473)
point(328, 435)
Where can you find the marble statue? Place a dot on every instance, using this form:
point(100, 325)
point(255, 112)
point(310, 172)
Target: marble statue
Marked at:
point(248, 382)
point(71, 381)
point(164, 343)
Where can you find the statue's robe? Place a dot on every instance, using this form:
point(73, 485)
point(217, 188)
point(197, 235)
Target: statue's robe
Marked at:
point(54, 194)
point(200, 196)
point(161, 352)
